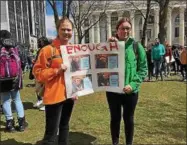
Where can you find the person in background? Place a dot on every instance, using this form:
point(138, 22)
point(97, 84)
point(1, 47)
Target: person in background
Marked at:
point(183, 60)
point(168, 56)
point(176, 54)
point(135, 73)
point(58, 108)
point(149, 63)
point(42, 42)
point(157, 56)
point(10, 91)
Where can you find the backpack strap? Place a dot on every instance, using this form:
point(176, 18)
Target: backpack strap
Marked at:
point(135, 49)
point(53, 55)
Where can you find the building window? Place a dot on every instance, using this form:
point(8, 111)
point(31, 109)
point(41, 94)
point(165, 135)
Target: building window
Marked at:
point(185, 31)
point(177, 19)
point(114, 20)
point(86, 23)
point(149, 34)
point(150, 19)
point(86, 36)
point(176, 31)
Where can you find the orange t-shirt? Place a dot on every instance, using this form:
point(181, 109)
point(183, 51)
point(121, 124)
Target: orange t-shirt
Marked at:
point(183, 57)
point(55, 90)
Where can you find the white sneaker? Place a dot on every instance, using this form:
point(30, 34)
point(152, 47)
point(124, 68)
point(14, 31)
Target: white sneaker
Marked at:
point(42, 108)
point(37, 104)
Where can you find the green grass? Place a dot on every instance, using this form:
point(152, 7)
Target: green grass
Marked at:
point(160, 117)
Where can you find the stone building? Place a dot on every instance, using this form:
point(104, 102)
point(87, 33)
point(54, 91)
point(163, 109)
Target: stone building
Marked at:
point(176, 27)
point(24, 19)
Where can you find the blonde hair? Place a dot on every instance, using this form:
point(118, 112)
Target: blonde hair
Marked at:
point(62, 20)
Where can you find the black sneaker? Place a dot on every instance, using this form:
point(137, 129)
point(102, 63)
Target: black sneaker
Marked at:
point(10, 125)
point(22, 124)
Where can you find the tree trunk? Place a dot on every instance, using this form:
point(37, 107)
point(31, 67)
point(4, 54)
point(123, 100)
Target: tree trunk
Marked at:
point(64, 8)
point(56, 16)
point(145, 22)
point(53, 6)
point(162, 20)
point(68, 8)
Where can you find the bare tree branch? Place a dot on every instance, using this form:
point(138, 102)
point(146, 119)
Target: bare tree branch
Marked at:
point(81, 11)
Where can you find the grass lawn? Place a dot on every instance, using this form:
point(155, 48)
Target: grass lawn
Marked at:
point(160, 117)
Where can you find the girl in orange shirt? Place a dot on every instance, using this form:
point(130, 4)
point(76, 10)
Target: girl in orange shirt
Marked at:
point(58, 108)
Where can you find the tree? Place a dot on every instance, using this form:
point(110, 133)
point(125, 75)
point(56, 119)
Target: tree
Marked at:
point(65, 11)
point(163, 5)
point(66, 8)
point(145, 17)
point(54, 8)
point(81, 13)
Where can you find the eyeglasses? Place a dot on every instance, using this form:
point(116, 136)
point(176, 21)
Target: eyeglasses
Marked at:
point(125, 28)
point(62, 29)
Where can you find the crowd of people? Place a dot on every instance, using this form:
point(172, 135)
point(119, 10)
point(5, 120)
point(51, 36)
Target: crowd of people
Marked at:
point(163, 59)
point(46, 67)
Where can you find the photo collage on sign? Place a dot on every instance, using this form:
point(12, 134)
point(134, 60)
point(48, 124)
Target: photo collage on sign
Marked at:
point(79, 63)
point(106, 61)
point(82, 82)
point(108, 79)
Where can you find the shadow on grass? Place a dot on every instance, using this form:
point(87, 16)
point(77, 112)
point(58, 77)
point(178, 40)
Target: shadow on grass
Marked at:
point(30, 85)
point(78, 138)
point(13, 142)
point(2, 123)
point(28, 105)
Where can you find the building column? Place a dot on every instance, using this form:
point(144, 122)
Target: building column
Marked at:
point(16, 25)
point(132, 18)
point(156, 23)
point(91, 31)
point(109, 30)
point(97, 30)
point(181, 26)
point(143, 21)
point(169, 28)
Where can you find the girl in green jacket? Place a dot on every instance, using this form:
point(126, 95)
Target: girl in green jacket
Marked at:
point(135, 72)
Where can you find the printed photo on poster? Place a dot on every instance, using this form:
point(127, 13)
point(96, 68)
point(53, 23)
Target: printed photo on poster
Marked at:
point(106, 61)
point(108, 79)
point(79, 62)
point(82, 82)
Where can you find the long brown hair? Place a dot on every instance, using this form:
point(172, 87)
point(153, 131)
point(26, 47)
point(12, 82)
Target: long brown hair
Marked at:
point(122, 20)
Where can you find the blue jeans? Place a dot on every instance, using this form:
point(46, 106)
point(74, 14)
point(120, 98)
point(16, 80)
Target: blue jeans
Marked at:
point(158, 68)
point(7, 98)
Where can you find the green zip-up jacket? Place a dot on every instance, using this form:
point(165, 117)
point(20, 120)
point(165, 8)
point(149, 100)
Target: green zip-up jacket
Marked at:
point(135, 65)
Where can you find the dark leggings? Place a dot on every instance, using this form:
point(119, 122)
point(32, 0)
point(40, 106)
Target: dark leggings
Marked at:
point(116, 103)
point(57, 118)
point(184, 69)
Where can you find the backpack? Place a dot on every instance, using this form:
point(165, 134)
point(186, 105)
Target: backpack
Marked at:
point(40, 87)
point(9, 62)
